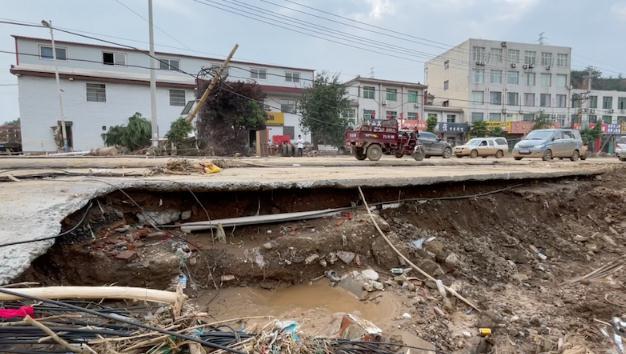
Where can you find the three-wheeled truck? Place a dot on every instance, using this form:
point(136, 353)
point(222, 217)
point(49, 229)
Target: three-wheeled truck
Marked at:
point(377, 137)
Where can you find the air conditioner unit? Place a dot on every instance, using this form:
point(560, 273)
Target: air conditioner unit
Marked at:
point(503, 110)
point(503, 44)
point(530, 66)
point(592, 111)
point(384, 102)
point(548, 67)
point(416, 105)
point(525, 66)
point(611, 111)
point(513, 65)
point(480, 63)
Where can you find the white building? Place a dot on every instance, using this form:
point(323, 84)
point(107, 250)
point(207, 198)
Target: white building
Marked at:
point(385, 99)
point(589, 107)
point(502, 81)
point(103, 86)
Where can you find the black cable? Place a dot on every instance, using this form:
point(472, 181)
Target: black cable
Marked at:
point(120, 319)
point(51, 237)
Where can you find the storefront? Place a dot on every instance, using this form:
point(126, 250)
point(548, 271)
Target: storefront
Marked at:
point(453, 133)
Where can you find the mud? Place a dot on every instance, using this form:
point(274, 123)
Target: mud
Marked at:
point(510, 252)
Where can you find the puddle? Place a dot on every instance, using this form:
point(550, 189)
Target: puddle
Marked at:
point(317, 307)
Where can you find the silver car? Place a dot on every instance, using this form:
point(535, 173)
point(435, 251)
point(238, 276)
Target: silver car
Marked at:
point(620, 148)
point(550, 143)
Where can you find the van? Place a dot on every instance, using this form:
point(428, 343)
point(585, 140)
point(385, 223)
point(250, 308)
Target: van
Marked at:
point(550, 143)
point(482, 147)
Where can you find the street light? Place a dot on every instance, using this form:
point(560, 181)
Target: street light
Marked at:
point(58, 81)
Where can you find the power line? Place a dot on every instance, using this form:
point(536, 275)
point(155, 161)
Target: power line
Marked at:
point(156, 26)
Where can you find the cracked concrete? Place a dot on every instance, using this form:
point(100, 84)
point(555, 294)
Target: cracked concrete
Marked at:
point(34, 209)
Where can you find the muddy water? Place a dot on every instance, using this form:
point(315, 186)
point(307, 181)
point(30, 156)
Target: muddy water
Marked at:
point(317, 307)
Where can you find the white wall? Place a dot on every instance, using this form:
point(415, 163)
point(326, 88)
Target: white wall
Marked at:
point(39, 110)
point(380, 104)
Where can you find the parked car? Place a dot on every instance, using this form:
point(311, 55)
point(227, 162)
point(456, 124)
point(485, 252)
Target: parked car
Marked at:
point(620, 148)
point(550, 143)
point(434, 146)
point(482, 147)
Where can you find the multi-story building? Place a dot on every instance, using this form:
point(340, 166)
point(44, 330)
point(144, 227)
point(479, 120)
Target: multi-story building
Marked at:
point(502, 81)
point(104, 85)
point(385, 99)
point(608, 107)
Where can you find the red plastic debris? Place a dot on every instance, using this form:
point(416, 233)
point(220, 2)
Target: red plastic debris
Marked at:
point(8, 314)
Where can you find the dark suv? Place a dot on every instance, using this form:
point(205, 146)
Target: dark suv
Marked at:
point(434, 146)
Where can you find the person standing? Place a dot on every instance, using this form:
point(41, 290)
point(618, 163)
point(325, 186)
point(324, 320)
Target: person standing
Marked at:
point(300, 144)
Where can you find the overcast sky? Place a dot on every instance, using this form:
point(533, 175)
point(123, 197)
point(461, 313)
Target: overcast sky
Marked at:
point(594, 29)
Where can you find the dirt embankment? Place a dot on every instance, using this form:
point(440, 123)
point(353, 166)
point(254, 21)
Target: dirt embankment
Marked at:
point(512, 253)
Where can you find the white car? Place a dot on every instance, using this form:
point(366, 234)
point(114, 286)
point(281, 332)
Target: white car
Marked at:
point(620, 148)
point(482, 147)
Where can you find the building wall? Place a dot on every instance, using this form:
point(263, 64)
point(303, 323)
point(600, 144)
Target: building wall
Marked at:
point(39, 111)
point(456, 72)
point(613, 114)
point(39, 106)
point(487, 63)
point(380, 104)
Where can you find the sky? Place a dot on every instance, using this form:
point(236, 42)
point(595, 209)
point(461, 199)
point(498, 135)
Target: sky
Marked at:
point(421, 29)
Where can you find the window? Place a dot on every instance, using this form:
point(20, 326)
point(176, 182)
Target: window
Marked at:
point(451, 118)
point(478, 97)
point(528, 117)
point(369, 114)
point(369, 92)
point(512, 77)
point(348, 113)
point(446, 64)
point(292, 77)
point(496, 76)
point(593, 101)
point(546, 59)
point(561, 119)
point(411, 116)
point(514, 56)
point(530, 57)
point(621, 103)
point(529, 99)
point(45, 52)
point(607, 102)
point(496, 55)
point(288, 107)
point(576, 101)
point(391, 114)
point(412, 96)
point(530, 79)
point(392, 94)
point(478, 76)
point(177, 98)
point(544, 100)
point(96, 93)
point(546, 80)
point(257, 73)
point(446, 85)
point(561, 101)
point(477, 116)
point(607, 119)
point(562, 59)
point(593, 118)
point(478, 54)
point(512, 98)
point(495, 97)
point(561, 80)
point(169, 64)
point(495, 116)
point(112, 58)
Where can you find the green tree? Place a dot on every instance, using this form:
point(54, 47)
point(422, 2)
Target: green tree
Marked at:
point(497, 131)
point(590, 135)
point(542, 121)
point(13, 122)
point(230, 113)
point(431, 123)
point(478, 129)
point(179, 130)
point(321, 107)
point(135, 135)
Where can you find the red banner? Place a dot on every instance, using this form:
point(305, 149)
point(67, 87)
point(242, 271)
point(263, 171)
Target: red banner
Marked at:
point(521, 127)
point(412, 124)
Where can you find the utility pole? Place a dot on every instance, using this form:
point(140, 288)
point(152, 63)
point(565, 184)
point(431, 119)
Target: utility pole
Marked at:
point(58, 81)
point(153, 104)
point(542, 38)
point(589, 71)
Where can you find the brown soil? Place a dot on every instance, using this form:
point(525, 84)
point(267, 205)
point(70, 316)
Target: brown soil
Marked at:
point(510, 252)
